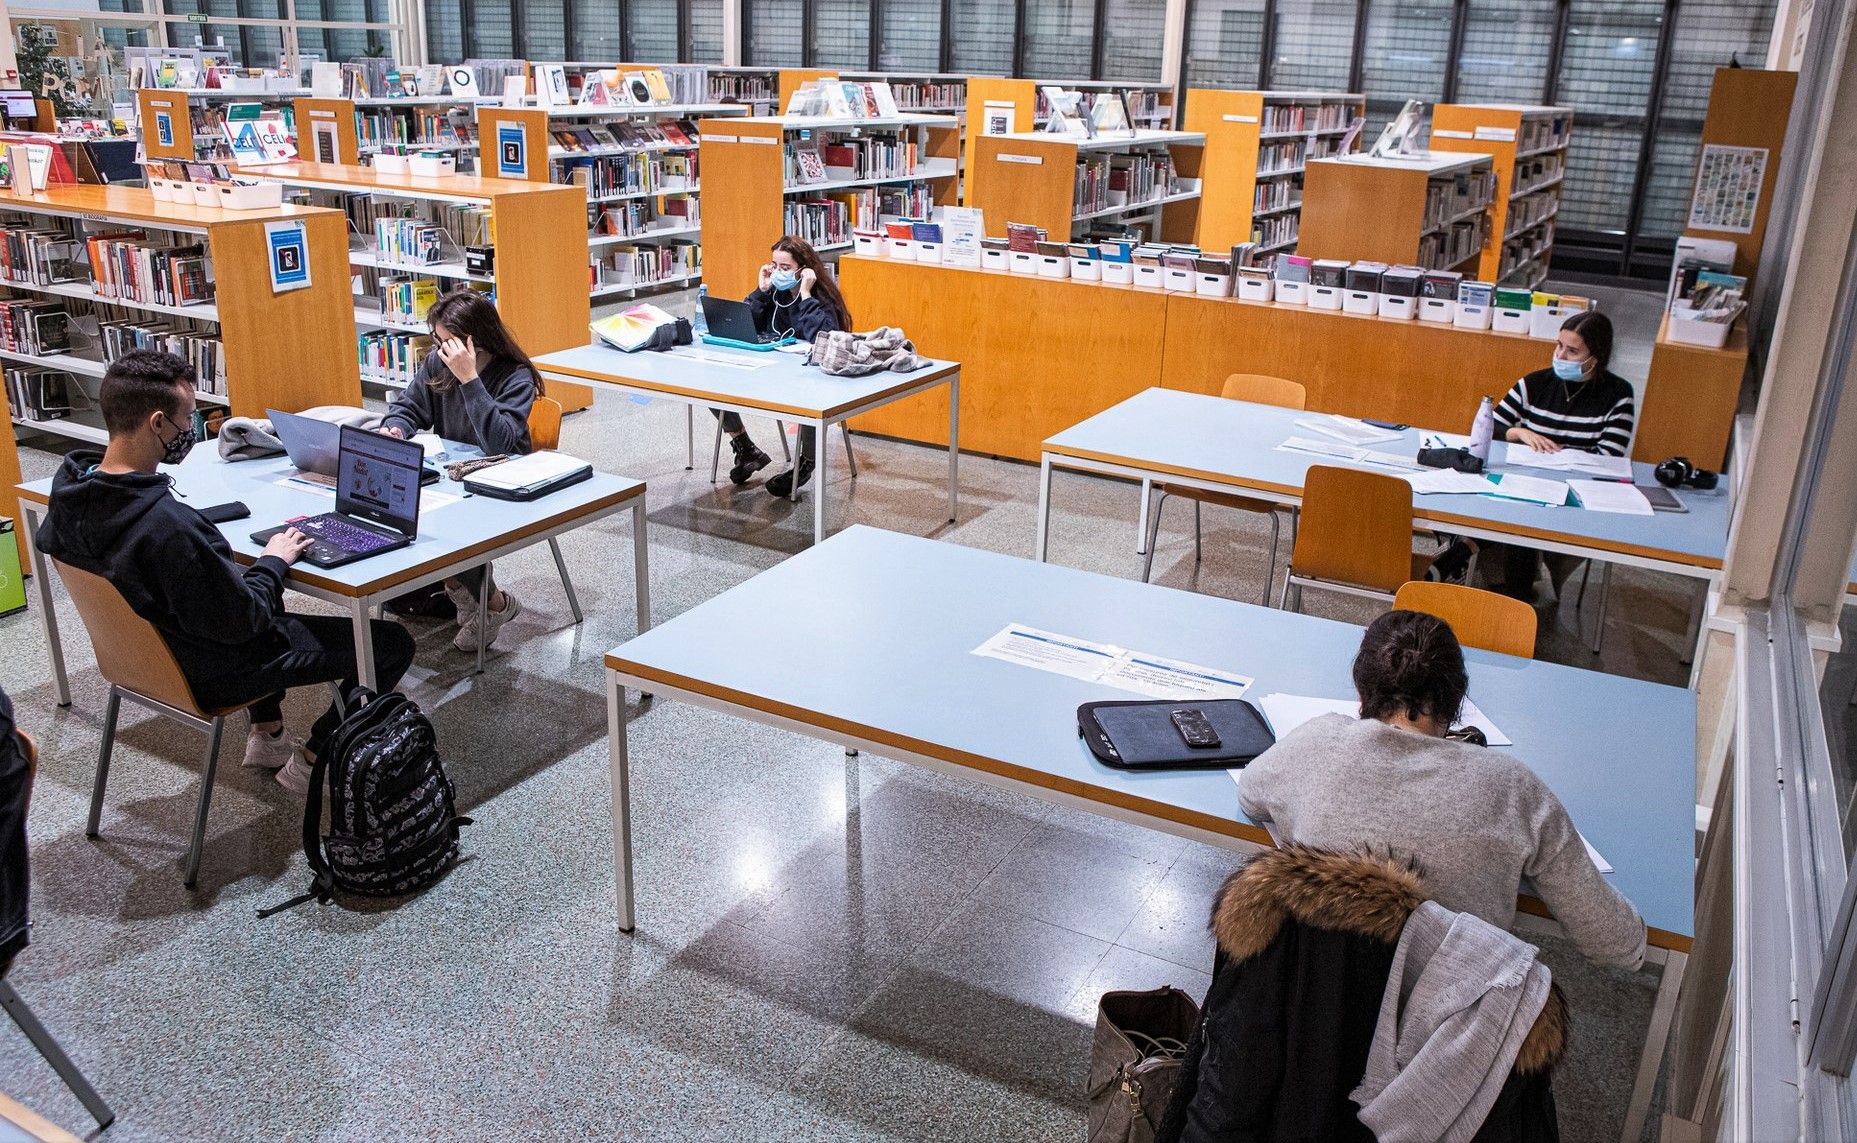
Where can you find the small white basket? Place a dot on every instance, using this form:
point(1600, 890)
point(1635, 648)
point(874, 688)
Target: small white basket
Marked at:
point(389, 164)
point(1440, 310)
point(250, 196)
point(432, 166)
point(1472, 317)
point(1254, 289)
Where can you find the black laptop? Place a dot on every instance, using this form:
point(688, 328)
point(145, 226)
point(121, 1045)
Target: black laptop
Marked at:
point(732, 323)
point(376, 501)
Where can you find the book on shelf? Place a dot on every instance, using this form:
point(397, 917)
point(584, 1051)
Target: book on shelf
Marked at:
point(131, 267)
point(1023, 237)
point(36, 394)
point(205, 352)
point(392, 356)
point(646, 264)
point(34, 326)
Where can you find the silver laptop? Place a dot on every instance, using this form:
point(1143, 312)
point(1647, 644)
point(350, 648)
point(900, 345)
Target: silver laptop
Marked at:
point(314, 446)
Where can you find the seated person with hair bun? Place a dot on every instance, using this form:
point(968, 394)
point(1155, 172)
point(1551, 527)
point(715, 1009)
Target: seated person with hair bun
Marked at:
point(1475, 821)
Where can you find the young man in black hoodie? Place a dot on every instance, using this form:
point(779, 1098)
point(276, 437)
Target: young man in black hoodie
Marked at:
point(114, 515)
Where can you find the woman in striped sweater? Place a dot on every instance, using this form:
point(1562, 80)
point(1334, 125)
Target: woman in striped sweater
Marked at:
point(1578, 403)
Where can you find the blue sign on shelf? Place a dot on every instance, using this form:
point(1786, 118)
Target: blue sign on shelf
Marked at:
point(512, 160)
point(289, 248)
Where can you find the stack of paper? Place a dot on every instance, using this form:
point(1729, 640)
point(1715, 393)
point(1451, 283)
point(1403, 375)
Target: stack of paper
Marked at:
point(1434, 481)
point(1573, 460)
point(1347, 429)
point(1610, 496)
point(1514, 486)
point(1347, 452)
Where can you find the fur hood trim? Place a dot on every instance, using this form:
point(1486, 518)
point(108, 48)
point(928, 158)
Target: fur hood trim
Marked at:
point(1366, 894)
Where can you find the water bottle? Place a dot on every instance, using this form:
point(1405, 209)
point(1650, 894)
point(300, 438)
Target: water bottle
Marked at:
point(698, 322)
point(1482, 429)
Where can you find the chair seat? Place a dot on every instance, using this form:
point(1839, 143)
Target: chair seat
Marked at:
point(1221, 499)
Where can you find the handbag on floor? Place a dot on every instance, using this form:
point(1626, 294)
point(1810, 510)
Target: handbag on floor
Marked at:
point(1135, 1061)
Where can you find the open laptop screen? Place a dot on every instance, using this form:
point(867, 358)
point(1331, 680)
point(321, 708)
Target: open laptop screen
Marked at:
point(377, 479)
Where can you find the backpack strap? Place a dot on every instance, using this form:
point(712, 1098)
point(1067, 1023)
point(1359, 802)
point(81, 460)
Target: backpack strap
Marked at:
point(322, 887)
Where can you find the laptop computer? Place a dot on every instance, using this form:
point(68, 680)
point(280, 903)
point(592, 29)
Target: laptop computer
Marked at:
point(314, 445)
point(732, 323)
point(376, 501)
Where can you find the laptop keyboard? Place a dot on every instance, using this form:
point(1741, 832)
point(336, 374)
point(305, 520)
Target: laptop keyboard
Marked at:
point(340, 532)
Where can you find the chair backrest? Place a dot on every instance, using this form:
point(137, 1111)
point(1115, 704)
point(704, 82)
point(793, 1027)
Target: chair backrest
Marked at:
point(1262, 389)
point(1479, 618)
point(1356, 528)
point(130, 653)
point(545, 423)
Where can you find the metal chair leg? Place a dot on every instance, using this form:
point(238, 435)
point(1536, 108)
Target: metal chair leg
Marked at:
point(206, 799)
point(567, 583)
point(1270, 561)
point(1599, 620)
point(850, 457)
point(1154, 529)
point(1196, 531)
point(103, 761)
point(1283, 596)
point(54, 1055)
point(715, 457)
point(786, 451)
point(1586, 573)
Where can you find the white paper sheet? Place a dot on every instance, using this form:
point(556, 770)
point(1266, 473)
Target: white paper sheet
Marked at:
point(1572, 460)
point(1434, 439)
point(1170, 678)
point(431, 443)
point(1347, 429)
point(725, 360)
point(1435, 481)
point(1604, 865)
point(1287, 712)
point(1387, 460)
point(1320, 448)
point(1136, 671)
point(1534, 489)
point(1611, 496)
point(1047, 651)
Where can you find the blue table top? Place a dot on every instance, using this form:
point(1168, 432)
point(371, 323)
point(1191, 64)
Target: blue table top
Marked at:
point(774, 382)
point(1223, 440)
point(876, 631)
point(446, 533)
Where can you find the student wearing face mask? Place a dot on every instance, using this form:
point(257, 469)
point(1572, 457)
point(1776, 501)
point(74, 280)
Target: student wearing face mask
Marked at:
point(113, 514)
point(796, 297)
point(1577, 403)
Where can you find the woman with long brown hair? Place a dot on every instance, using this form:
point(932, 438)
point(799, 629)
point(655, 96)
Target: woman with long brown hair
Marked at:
point(475, 387)
point(796, 297)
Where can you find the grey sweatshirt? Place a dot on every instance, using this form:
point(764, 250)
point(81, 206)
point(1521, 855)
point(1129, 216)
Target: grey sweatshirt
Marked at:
point(1477, 821)
point(491, 412)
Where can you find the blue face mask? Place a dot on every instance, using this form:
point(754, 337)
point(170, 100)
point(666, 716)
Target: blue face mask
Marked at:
point(1569, 370)
point(784, 280)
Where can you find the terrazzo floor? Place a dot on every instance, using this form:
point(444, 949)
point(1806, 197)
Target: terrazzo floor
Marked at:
point(827, 948)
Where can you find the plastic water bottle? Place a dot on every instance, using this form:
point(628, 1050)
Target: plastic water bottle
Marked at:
point(1482, 429)
point(698, 322)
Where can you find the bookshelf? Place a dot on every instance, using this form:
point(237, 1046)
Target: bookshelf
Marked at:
point(757, 193)
point(1150, 105)
point(1528, 150)
point(1015, 99)
point(762, 90)
point(923, 92)
point(177, 125)
point(1039, 178)
point(1257, 144)
point(529, 224)
point(287, 350)
point(648, 188)
point(1431, 212)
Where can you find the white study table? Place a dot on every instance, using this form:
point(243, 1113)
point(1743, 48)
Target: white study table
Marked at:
point(884, 625)
point(772, 384)
point(453, 537)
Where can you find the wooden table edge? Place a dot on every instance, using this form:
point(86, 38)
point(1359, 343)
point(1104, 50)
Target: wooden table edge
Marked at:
point(910, 380)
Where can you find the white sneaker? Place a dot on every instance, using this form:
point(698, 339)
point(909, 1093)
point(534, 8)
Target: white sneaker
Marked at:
point(268, 752)
point(466, 639)
point(295, 774)
point(462, 599)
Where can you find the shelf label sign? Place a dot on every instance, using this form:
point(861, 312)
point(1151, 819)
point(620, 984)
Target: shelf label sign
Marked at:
point(289, 247)
point(512, 151)
point(164, 128)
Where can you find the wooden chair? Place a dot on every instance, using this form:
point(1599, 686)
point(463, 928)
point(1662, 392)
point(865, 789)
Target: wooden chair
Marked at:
point(135, 660)
point(1481, 619)
point(545, 432)
point(1259, 389)
point(1355, 536)
point(12, 1114)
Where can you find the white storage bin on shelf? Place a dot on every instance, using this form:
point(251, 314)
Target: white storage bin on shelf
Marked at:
point(1022, 262)
point(1505, 320)
point(250, 196)
point(1400, 308)
point(1544, 322)
point(1086, 269)
point(388, 164)
point(1293, 293)
point(1325, 297)
point(1148, 276)
point(995, 259)
point(1686, 329)
point(1255, 289)
point(1441, 310)
point(1362, 303)
point(164, 190)
point(1118, 273)
point(901, 249)
point(203, 194)
point(1053, 266)
point(928, 252)
point(1212, 285)
point(869, 245)
point(1472, 317)
point(432, 166)
point(1177, 279)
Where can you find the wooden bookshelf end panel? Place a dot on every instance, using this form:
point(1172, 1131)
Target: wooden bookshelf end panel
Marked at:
point(1230, 121)
point(743, 202)
point(153, 102)
point(1361, 213)
point(533, 123)
point(1689, 402)
point(311, 111)
point(291, 350)
point(1022, 94)
point(1023, 180)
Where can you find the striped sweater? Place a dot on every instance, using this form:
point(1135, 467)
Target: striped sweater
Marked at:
point(1595, 415)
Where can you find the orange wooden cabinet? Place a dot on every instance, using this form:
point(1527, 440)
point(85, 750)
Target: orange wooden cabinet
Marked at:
point(167, 123)
point(1257, 143)
point(1748, 108)
point(1359, 208)
point(326, 130)
point(1032, 178)
point(1689, 401)
point(1528, 149)
point(991, 100)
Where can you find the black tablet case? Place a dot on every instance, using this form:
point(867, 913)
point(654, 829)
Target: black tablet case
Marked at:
point(1140, 735)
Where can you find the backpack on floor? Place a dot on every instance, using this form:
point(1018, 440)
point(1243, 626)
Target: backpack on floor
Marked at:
point(393, 822)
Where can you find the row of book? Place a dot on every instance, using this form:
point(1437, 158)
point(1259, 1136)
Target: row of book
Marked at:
point(726, 88)
point(1531, 210)
point(634, 135)
point(1450, 196)
point(643, 215)
point(1276, 231)
point(862, 157)
point(1523, 254)
point(40, 255)
point(40, 394)
point(1277, 118)
point(1276, 194)
point(406, 299)
point(646, 265)
point(917, 96)
point(391, 356)
point(416, 126)
point(1536, 173)
point(206, 353)
point(1459, 242)
point(1543, 131)
point(135, 268)
point(633, 174)
point(38, 326)
point(1104, 181)
point(821, 222)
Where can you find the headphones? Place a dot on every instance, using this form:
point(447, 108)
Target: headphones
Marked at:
point(1678, 471)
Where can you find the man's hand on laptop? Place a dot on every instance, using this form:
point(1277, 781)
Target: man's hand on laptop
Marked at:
point(288, 545)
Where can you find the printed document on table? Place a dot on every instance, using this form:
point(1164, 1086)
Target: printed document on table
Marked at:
point(1433, 481)
point(1030, 647)
point(1611, 496)
point(1573, 460)
point(1604, 865)
point(1320, 448)
point(1347, 429)
point(726, 360)
point(1434, 439)
point(1287, 712)
point(1112, 666)
point(1170, 678)
point(1515, 486)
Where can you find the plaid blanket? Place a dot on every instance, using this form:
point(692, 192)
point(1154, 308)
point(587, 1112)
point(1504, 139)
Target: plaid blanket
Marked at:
point(845, 354)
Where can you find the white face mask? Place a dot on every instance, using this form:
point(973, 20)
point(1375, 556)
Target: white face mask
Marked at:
point(784, 279)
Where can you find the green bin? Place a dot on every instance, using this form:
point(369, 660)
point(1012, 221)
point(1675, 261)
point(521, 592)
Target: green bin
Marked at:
point(12, 584)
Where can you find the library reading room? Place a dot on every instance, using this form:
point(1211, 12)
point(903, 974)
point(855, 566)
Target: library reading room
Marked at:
point(928, 571)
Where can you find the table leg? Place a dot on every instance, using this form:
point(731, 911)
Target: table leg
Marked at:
point(1656, 1040)
point(1694, 631)
point(483, 611)
point(48, 617)
point(622, 800)
point(689, 437)
point(364, 644)
point(954, 446)
point(1044, 507)
point(640, 576)
point(1141, 521)
point(820, 439)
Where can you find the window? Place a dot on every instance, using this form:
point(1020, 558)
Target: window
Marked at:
point(653, 30)
point(841, 34)
point(982, 37)
point(493, 30)
point(705, 31)
point(1225, 43)
point(1132, 35)
point(1605, 76)
point(594, 33)
point(774, 33)
point(911, 35)
point(444, 31)
point(1059, 39)
point(1314, 48)
point(544, 29)
point(1507, 44)
point(339, 44)
point(1404, 56)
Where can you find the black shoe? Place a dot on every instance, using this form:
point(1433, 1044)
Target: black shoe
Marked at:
point(1452, 563)
point(782, 485)
point(428, 602)
point(748, 459)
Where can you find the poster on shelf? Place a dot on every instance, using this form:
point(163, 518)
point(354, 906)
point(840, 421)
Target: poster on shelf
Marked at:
point(961, 228)
point(324, 133)
point(288, 243)
point(164, 128)
point(511, 151)
point(1727, 195)
point(996, 118)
